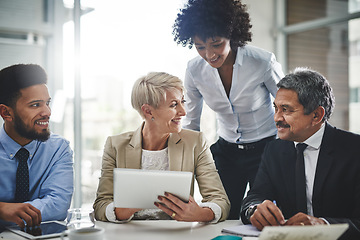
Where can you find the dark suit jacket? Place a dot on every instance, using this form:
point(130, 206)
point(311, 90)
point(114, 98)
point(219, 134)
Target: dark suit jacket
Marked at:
point(336, 194)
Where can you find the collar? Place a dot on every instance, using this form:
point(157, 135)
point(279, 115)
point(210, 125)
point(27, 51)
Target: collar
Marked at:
point(240, 55)
point(314, 141)
point(11, 147)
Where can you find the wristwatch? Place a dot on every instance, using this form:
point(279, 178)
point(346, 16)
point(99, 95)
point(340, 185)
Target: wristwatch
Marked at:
point(250, 211)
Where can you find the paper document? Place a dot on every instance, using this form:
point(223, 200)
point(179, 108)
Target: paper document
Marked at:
point(317, 232)
point(242, 230)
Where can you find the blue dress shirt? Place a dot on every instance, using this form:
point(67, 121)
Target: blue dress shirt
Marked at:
point(247, 115)
point(50, 174)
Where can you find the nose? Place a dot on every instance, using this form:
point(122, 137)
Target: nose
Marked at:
point(46, 111)
point(209, 53)
point(278, 116)
point(181, 109)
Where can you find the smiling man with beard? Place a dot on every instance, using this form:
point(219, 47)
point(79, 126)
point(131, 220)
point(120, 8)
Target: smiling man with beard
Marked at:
point(319, 184)
point(36, 174)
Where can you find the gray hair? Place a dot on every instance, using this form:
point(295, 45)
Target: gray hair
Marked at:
point(151, 89)
point(312, 88)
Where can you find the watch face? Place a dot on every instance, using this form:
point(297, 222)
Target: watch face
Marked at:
point(251, 211)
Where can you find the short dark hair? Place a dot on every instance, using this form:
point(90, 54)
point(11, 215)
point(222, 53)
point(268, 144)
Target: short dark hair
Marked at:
point(16, 77)
point(312, 88)
point(213, 18)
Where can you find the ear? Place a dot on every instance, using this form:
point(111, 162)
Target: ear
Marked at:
point(147, 111)
point(318, 115)
point(6, 112)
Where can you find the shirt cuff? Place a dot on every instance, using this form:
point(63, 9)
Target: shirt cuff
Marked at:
point(326, 221)
point(215, 208)
point(111, 217)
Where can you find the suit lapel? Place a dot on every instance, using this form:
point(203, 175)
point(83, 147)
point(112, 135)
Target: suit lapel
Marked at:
point(133, 150)
point(175, 152)
point(324, 164)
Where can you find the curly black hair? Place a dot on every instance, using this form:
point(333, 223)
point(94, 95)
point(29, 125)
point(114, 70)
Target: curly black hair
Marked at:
point(212, 18)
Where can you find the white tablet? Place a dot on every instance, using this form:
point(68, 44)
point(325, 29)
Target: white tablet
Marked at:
point(136, 188)
point(48, 229)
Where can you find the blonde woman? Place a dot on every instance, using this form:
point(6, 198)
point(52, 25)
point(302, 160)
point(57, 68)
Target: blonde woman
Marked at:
point(160, 143)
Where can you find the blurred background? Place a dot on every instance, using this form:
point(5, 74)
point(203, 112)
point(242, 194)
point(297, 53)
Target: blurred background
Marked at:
point(93, 51)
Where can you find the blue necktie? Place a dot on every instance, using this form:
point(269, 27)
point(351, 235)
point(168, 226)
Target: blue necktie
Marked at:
point(300, 179)
point(22, 176)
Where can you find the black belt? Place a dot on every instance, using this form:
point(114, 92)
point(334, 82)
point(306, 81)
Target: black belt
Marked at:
point(248, 146)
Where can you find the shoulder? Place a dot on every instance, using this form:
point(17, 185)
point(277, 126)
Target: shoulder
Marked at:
point(56, 141)
point(196, 63)
point(120, 139)
point(256, 54)
point(346, 134)
point(192, 137)
point(185, 133)
point(57, 147)
point(341, 138)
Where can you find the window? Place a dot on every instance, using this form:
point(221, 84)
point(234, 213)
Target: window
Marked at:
point(324, 35)
point(120, 42)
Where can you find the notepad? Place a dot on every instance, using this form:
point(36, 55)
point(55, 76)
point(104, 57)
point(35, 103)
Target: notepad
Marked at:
point(316, 232)
point(242, 230)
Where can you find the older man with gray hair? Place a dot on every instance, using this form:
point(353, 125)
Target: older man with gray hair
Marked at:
point(312, 171)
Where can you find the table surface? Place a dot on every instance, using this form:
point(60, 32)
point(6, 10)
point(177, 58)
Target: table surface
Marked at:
point(157, 230)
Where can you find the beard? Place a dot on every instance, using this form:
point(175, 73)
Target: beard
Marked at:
point(29, 133)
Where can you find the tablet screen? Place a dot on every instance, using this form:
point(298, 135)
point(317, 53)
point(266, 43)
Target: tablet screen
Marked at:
point(138, 188)
point(45, 229)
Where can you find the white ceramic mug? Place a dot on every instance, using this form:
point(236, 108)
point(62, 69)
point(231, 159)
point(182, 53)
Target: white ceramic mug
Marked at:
point(91, 233)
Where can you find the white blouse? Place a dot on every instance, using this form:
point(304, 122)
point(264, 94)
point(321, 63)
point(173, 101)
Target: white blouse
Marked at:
point(155, 160)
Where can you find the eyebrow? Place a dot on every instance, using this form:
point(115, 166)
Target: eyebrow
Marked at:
point(214, 41)
point(282, 105)
point(37, 101)
point(176, 99)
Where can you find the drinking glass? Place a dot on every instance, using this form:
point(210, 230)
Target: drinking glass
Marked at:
point(80, 218)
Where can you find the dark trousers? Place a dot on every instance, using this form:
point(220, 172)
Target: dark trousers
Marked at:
point(237, 166)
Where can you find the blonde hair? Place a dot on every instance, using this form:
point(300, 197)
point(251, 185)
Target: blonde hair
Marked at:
point(151, 89)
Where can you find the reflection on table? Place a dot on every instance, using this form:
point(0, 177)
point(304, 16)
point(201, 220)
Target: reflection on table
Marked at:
point(157, 230)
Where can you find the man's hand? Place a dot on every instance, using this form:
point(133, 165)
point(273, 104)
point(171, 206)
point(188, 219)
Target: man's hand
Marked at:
point(20, 212)
point(267, 214)
point(303, 219)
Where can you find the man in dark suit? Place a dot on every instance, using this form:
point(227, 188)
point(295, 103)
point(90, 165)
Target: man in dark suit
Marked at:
point(320, 185)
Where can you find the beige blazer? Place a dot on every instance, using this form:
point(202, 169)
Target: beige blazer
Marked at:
point(187, 151)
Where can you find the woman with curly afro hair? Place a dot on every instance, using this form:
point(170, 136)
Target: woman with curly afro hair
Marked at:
point(236, 81)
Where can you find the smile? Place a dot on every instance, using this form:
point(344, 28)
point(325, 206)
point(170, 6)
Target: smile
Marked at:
point(214, 60)
point(42, 123)
point(176, 121)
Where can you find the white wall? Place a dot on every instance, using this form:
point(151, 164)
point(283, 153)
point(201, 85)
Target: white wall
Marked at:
point(262, 18)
